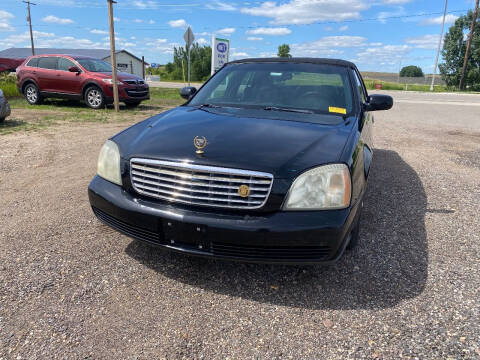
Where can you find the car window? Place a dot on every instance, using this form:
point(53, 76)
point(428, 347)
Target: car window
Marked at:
point(64, 64)
point(360, 88)
point(47, 62)
point(95, 65)
point(33, 62)
point(319, 88)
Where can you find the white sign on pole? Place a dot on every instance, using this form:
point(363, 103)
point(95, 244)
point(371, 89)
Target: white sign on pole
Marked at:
point(220, 51)
point(189, 37)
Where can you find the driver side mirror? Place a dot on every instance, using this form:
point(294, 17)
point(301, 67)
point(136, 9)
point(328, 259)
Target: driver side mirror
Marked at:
point(74, 69)
point(187, 92)
point(378, 102)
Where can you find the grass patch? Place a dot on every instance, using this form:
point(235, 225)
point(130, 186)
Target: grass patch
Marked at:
point(8, 84)
point(28, 117)
point(370, 84)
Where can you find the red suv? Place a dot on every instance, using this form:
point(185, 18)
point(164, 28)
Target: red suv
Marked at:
point(77, 77)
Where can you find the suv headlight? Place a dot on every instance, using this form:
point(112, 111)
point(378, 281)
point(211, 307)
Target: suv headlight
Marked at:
point(108, 166)
point(321, 188)
point(110, 81)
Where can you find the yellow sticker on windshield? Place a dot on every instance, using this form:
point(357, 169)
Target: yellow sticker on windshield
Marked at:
point(337, 110)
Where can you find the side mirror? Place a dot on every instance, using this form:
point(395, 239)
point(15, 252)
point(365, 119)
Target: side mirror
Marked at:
point(187, 92)
point(74, 69)
point(379, 102)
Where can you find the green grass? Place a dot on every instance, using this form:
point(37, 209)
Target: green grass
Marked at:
point(370, 84)
point(59, 111)
point(8, 85)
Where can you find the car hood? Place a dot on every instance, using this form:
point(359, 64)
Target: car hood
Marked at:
point(120, 75)
point(281, 147)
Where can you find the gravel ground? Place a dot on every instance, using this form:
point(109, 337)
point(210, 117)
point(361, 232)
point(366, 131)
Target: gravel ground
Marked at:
point(73, 288)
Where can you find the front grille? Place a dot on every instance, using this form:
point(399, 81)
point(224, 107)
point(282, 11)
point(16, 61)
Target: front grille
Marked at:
point(134, 82)
point(130, 230)
point(136, 93)
point(199, 185)
point(313, 253)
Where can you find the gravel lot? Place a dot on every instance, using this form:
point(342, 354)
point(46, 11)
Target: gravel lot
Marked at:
point(73, 288)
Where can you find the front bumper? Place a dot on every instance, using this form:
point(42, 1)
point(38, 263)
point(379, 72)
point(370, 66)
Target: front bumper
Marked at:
point(128, 93)
point(279, 237)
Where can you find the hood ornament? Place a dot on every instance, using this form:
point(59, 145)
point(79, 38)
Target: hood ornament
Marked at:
point(200, 142)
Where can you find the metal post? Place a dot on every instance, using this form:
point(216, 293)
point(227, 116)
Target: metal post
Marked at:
point(469, 44)
point(439, 47)
point(30, 23)
point(189, 65)
point(113, 59)
point(143, 67)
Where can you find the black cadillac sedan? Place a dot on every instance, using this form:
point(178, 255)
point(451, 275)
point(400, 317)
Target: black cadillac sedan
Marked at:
point(268, 161)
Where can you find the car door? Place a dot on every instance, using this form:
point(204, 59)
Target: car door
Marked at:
point(47, 73)
point(67, 82)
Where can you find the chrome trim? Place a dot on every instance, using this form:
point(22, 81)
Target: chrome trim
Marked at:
point(174, 183)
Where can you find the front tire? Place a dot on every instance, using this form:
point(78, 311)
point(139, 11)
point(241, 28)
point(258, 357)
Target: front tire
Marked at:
point(94, 98)
point(32, 94)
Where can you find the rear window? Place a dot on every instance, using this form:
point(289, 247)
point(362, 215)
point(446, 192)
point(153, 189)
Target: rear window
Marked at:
point(33, 62)
point(47, 62)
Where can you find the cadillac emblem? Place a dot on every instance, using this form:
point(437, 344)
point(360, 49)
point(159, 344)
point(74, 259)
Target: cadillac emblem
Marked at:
point(200, 142)
point(243, 191)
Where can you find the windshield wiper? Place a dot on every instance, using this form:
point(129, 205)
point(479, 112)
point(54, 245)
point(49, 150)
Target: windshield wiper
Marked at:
point(208, 105)
point(274, 108)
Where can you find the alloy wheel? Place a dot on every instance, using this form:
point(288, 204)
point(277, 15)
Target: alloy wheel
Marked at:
point(32, 94)
point(94, 98)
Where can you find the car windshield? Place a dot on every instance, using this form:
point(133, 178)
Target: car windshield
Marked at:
point(293, 87)
point(95, 65)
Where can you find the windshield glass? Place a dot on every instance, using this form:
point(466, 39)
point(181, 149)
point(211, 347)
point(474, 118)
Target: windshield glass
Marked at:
point(95, 65)
point(314, 88)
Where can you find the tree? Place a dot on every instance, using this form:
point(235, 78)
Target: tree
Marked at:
point(454, 48)
point(200, 59)
point(284, 51)
point(411, 71)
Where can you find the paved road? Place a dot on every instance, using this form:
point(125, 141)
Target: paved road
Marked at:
point(171, 84)
point(73, 288)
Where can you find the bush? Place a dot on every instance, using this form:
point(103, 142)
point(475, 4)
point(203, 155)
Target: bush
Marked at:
point(411, 71)
point(8, 85)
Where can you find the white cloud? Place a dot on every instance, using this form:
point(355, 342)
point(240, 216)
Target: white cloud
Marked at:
point(386, 55)
point(424, 42)
point(5, 17)
point(308, 11)
point(254, 38)
point(180, 23)
point(343, 28)
point(116, 19)
point(449, 19)
point(56, 20)
point(23, 40)
point(138, 21)
point(270, 31)
point(99, 32)
point(395, 2)
point(327, 46)
point(385, 15)
point(145, 4)
point(239, 54)
point(222, 6)
point(226, 31)
point(202, 41)
point(151, 21)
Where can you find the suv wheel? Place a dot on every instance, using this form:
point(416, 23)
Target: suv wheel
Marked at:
point(94, 97)
point(32, 94)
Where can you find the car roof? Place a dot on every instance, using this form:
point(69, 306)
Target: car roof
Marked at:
point(61, 55)
point(297, 60)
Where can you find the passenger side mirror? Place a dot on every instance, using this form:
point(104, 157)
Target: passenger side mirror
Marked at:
point(74, 69)
point(378, 102)
point(187, 92)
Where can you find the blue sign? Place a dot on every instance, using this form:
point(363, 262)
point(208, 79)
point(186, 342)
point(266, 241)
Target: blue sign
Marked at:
point(222, 47)
point(154, 65)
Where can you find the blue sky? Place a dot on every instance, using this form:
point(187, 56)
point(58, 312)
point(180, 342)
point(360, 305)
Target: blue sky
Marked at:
point(378, 35)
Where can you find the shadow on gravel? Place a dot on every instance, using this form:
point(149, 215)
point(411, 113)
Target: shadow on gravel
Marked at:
point(388, 266)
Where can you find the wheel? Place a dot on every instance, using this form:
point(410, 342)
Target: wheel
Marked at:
point(32, 94)
point(2, 120)
point(354, 235)
point(132, 104)
point(94, 97)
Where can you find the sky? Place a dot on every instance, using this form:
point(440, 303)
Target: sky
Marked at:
point(378, 35)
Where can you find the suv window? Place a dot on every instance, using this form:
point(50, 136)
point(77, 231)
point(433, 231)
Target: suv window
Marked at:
point(359, 85)
point(47, 62)
point(64, 64)
point(33, 62)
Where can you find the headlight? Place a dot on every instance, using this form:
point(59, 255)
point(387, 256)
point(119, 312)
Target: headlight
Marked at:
point(321, 188)
point(109, 163)
point(110, 81)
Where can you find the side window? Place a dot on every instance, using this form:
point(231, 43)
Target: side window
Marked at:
point(359, 85)
point(33, 62)
point(64, 64)
point(47, 63)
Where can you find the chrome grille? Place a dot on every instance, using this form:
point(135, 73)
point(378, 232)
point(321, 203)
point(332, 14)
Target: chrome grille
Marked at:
point(134, 82)
point(199, 185)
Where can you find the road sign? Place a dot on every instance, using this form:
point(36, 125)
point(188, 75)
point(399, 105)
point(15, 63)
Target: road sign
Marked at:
point(189, 37)
point(153, 65)
point(220, 51)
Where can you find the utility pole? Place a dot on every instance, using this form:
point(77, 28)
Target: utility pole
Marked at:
point(29, 18)
point(469, 44)
point(113, 59)
point(439, 46)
